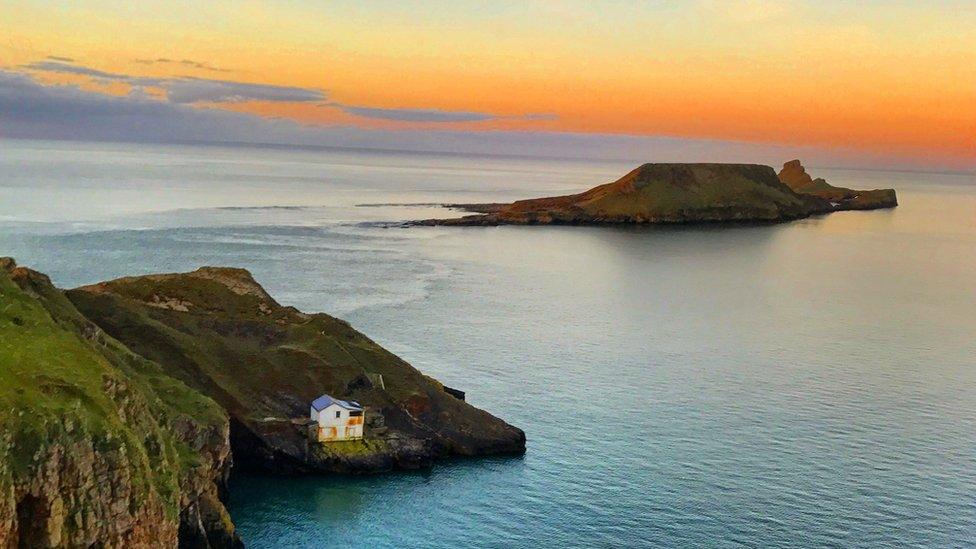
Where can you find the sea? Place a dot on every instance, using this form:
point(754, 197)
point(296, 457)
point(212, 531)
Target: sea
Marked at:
point(808, 384)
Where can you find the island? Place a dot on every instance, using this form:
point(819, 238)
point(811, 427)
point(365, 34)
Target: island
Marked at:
point(682, 193)
point(123, 405)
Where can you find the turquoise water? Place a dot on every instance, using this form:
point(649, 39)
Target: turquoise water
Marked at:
point(806, 384)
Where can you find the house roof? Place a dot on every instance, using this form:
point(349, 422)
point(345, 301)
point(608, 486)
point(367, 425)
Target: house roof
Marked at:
point(325, 401)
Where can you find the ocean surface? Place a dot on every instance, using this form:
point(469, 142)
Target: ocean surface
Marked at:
point(808, 384)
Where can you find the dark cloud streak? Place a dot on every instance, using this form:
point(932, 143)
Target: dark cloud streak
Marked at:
point(70, 68)
point(188, 89)
point(183, 62)
point(201, 90)
point(431, 115)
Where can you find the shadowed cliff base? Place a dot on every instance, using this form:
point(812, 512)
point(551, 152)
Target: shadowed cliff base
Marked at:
point(682, 193)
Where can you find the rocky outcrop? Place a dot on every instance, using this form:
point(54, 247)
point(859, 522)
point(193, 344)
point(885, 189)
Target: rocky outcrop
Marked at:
point(264, 363)
point(674, 193)
point(795, 176)
point(98, 447)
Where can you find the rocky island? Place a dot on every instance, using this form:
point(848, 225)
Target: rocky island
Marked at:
point(124, 404)
point(683, 193)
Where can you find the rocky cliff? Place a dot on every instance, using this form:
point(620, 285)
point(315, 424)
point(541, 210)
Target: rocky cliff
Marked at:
point(99, 447)
point(667, 194)
point(217, 330)
point(123, 404)
point(795, 176)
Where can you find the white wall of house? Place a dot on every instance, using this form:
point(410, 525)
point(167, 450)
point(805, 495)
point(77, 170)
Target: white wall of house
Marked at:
point(336, 423)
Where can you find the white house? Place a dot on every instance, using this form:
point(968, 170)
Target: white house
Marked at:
point(337, 419)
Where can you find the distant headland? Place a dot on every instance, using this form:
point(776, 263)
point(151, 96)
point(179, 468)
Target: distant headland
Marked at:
point(683, 193)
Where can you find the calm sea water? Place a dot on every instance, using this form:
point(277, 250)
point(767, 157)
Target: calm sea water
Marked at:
point(806, 384)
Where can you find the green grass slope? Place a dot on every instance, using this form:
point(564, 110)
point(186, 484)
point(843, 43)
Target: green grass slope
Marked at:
point(99, 445)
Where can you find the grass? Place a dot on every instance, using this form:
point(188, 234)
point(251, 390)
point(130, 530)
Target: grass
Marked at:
point(257, 359)
point(709, 187)
point(58, 387)
point(347, 448)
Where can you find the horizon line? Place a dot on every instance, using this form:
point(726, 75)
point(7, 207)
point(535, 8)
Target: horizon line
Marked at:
point(313, 147)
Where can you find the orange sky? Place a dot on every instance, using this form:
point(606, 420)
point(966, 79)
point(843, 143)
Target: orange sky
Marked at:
point(893, 77)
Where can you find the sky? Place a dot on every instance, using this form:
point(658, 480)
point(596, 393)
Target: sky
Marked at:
point(869, 82)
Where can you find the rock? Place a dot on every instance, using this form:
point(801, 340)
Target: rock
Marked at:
point(795, 176)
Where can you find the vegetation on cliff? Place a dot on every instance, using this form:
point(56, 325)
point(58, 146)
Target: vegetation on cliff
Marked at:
point(98, 445)
point(217, 330)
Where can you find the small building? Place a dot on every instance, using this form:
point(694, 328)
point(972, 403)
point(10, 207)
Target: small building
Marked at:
point(337, 419)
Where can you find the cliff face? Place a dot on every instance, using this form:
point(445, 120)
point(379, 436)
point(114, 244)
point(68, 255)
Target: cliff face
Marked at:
point(680, 193)
point(219, 332)
point(796, 177)
point(98, 446)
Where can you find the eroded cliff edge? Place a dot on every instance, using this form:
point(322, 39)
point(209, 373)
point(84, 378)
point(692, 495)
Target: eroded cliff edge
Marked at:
point(681, 193)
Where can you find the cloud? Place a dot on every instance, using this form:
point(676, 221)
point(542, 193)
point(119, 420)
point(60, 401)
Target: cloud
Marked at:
point(200, 90)
point(30, 109)
point(431, 115)
point(58, 58)
point(182, 62)
point(34, 110)
point(414, 115)
point(188, 89)
point(71, 68)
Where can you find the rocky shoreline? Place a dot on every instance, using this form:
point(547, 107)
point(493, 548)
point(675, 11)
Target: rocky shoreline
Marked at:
point(125, 404)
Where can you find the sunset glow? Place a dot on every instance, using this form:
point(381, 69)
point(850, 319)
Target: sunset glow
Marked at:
point(896, 78)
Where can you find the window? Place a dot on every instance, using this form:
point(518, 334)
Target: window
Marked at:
point(338, 413)
point(355, 413)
